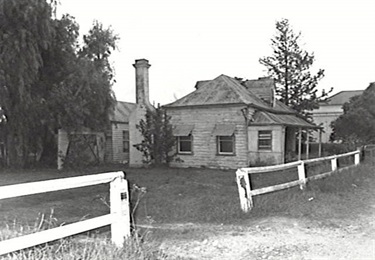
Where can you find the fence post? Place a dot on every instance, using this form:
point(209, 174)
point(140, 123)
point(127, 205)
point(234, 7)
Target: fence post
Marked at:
point(334, 164)
point(302, 175)
point(357, 157)
point(119, 201)
point(244, 190)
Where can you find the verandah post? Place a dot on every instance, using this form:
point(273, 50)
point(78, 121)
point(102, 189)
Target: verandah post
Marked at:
point(299, 144)
point(307, 145)
point(119, 201)
point(302, 175)
point(320, 143)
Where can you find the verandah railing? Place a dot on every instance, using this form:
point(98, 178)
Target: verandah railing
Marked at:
point(243, 177)
point(118, 218)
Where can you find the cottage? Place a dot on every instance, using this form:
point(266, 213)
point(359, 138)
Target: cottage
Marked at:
point(227, 123)
point(330, 110)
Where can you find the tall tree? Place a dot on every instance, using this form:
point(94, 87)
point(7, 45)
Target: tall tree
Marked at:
point(26, 31)
point(83, 97)
point(47, 80)
point(357, 125)
point(290, 67)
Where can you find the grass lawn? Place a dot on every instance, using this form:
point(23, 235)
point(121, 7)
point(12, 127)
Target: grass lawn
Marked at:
point(179, 196)
point(173, 196)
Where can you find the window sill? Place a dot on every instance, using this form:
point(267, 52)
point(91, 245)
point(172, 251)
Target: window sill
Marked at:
point(225, 154)
point(180, 153)
point(266, 151)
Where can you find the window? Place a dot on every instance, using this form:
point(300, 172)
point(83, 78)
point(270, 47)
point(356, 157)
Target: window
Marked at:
point(125, 141)
point(265, 140)
point(225, 145)
point(184, 144)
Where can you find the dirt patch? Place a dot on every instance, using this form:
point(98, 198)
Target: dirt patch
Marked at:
point(277, 238)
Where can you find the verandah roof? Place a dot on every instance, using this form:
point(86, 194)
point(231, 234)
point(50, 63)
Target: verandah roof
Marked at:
point(267, 118)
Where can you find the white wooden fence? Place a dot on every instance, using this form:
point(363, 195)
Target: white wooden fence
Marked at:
point(118, 218)
point(243, 176)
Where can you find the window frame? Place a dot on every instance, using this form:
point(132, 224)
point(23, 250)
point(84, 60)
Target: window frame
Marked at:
point(265, 135)
point(178, 141)
point(125, 140)
point(219, 144)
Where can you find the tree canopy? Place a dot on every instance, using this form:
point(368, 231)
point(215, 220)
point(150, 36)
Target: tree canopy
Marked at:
point(289, 66)
point(357, 125)
point(47, 79)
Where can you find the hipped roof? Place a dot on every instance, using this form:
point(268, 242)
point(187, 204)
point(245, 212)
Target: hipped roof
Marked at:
point(221, 90)
point(226, 90)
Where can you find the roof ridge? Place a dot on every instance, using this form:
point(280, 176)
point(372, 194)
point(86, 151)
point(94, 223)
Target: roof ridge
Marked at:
point(343, 91)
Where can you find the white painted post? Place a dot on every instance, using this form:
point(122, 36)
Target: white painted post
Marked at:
point(302, 175)
point(334, 164)
point(357, 157)
point(244, 189)
point(307, 145)
point(119, 200)
point(320, 143)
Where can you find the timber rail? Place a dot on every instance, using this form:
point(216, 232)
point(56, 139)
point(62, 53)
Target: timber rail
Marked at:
point(118, 218)
point(243, 177)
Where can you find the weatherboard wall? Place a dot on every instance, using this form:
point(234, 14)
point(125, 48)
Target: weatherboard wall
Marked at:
point(266, 157)
point(118, 154)
point(205, 119)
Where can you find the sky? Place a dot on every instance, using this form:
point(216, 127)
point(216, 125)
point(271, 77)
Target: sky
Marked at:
point(190, 40)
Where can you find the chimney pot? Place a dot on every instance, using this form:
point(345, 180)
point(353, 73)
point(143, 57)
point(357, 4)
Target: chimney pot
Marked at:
point(142, 82)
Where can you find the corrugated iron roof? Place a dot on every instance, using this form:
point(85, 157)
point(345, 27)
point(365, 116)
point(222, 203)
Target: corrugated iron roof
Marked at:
point(342, 97)
point(226, 90)
point(221, 90)
point(122, 111)
point(280, 106)
point(267, 118)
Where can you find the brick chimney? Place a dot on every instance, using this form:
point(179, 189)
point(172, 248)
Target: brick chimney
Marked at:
point(142, 83)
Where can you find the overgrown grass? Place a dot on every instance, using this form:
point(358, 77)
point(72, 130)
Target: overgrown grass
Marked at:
point(86, 246)
point(185, 196)
point(89, 249)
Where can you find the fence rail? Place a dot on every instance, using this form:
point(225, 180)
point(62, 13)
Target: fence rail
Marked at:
point(118, 218)
point(243, 176)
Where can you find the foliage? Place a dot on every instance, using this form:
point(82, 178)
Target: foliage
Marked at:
point(81, 152)
point(290, 66)
point(357, 125)
point(158, 140)
point(49, 81)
